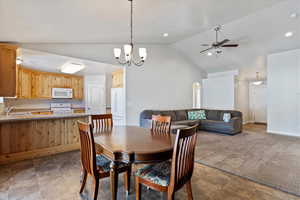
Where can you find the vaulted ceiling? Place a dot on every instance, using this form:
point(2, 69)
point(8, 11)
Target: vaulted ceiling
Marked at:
point(258, 35)
point(107, 21)
point(258, 25)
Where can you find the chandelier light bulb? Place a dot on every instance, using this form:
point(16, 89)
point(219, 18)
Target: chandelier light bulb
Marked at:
point(143, 53)
point(117, 53)
point(127, 49)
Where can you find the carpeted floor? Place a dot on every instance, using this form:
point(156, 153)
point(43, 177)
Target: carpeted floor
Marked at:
point(269, 159)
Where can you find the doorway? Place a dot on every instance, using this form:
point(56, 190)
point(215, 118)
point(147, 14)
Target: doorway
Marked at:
point(258, 103)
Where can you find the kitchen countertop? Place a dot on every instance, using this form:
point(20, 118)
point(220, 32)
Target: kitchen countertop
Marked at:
point(28, 117)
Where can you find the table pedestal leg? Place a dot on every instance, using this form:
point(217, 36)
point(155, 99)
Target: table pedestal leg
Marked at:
point(113, 180)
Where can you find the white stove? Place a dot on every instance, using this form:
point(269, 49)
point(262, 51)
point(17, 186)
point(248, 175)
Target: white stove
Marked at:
point(61, 108)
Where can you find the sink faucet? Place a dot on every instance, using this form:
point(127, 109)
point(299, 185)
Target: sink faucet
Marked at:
point(8, 110)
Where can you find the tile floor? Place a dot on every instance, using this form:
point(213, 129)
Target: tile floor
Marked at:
point(57, 178)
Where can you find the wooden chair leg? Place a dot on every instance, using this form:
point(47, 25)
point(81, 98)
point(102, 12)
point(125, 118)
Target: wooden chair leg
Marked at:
point(96, 185)
point(171, 196)
point(83, 181)
point(189, 190)
point(137, 189)
point(127, 176)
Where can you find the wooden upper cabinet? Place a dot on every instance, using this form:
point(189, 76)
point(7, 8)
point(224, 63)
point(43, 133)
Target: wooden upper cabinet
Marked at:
point(117, 79)
point(77, 83)
point(8, 70)
point(41, 85)
point(24, 83)
point(38, 85)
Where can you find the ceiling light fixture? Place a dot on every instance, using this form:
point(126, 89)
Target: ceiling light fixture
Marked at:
point(209, 54)
point(19, 61)
point(289, 34)
point(128, 48)
point(293, 15)
point(258, 81)
point(71, 68)
point(166, 34)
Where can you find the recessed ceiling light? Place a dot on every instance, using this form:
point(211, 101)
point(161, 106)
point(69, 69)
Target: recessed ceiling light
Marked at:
point(209, 54)
point(289, 34)
point(71, 68)
point(166, 34)
point(293, 15)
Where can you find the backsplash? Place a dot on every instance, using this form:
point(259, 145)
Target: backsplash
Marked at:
point(40, 103)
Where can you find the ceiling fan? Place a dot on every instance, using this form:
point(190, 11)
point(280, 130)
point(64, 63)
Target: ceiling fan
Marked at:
point(218, 45)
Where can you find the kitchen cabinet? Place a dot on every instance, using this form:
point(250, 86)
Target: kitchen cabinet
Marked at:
point(41, 85)
point(8, 71)
point(33, 84)
point(77, 83)
point(24, 84)
point(117, 78)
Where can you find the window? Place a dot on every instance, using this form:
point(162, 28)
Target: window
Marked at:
point(196, 95)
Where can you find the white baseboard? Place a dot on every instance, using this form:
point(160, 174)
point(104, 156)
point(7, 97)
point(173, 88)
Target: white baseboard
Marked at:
point(283, 133)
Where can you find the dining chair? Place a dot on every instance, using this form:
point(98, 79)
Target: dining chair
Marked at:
point(102, 122)
point(170, 176)
point(160, 124)
point(96, 165)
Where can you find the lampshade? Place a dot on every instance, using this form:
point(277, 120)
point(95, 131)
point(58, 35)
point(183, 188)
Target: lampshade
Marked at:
point(127, 51)
point(117, 52)
point(143, 53)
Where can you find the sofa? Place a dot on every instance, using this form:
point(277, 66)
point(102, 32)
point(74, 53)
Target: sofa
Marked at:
point(213, 122)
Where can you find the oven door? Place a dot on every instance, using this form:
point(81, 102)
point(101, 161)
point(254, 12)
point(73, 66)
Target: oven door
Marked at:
point(62, 93)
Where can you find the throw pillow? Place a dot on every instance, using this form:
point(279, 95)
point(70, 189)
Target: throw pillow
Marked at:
point(226, 117)
point(194, 115)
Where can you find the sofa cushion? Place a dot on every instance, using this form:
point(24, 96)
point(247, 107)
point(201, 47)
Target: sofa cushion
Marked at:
point(165, 113)
point(197, 114)
point(180, 115)
point(186, 122)
point(213, 115)
point(217, 125)
point(226, 117)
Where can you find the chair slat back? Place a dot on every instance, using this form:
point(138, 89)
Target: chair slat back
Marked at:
point(102, 123)
point(183, 157)
point(88, 153)
point(161, 124)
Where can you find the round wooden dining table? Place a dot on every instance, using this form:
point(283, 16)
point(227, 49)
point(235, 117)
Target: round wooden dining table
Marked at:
point(132, 144)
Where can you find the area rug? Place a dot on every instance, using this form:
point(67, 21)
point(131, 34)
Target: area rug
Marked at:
point(268, 159)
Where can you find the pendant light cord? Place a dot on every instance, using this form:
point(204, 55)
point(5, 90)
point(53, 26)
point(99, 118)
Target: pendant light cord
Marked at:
point(131, 22)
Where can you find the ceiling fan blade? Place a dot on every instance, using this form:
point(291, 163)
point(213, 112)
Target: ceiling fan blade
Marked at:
point(206, 50)
point(205, 45)
point(222, 42)
point(230, 45)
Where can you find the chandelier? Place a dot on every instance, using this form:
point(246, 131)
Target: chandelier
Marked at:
point(128, 48)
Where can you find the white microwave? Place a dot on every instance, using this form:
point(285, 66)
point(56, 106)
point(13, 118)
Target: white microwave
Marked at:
point(62, 93)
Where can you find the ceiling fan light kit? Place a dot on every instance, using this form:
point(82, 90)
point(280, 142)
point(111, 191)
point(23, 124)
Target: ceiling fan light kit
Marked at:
point(128, 48)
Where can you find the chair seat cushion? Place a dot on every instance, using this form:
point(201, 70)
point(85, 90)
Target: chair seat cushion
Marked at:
point(156, 173)
point(103, 163)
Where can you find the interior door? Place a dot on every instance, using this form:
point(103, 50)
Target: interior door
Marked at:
point(258, 102)
point(95, 100)
point(118, 106)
